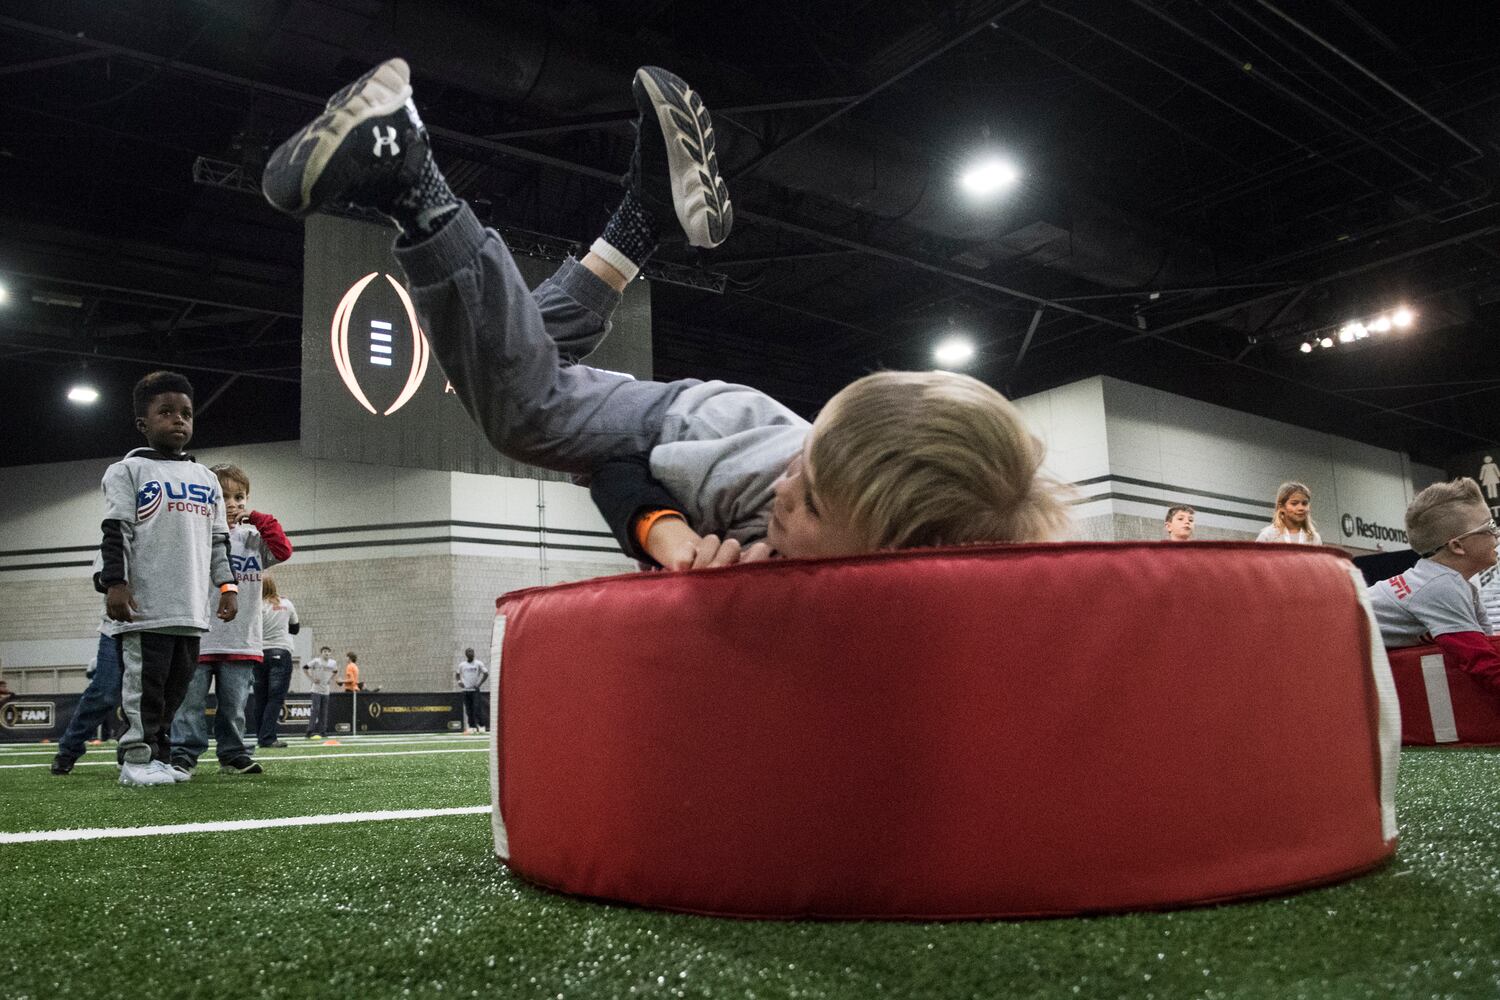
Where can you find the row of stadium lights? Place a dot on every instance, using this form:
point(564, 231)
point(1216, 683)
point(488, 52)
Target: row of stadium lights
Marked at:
point(1397, 319)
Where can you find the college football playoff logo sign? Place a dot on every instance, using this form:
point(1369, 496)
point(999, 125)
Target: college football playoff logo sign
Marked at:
point(382, 345)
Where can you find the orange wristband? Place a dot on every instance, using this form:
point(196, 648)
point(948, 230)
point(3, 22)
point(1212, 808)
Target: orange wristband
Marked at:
point(229, 588)
point(643, 526)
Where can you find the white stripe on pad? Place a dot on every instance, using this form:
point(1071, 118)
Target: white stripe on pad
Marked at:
point(1439, 700)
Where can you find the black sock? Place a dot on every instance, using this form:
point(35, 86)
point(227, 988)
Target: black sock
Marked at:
point(632, 230)
point(422, 209)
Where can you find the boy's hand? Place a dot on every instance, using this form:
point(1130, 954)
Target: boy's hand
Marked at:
point(676, 546)
point(120, 603)
point(229, 606)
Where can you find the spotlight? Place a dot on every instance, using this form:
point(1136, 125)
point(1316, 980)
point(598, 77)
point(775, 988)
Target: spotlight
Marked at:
point(989, 176)
point(1380, 324)
point(1306, 348)
point(1350, 331)
point(1326, 342)
point(954, 352)
point(4, 295)
point(1402, 318)
point(83, 394)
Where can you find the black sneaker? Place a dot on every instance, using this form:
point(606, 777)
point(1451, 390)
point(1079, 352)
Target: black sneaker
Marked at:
point(674, 169)
point(275, 743)
point(240, 765)
point(63, 765)
point(367, 147)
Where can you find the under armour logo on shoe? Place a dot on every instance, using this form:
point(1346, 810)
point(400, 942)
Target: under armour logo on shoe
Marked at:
point(387, 141)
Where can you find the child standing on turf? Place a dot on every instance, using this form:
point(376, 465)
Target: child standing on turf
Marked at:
point(231, 650)
point(165, 550)
point(1449, 525)
point(897, 459)
point(321, 673)
point(278, 623)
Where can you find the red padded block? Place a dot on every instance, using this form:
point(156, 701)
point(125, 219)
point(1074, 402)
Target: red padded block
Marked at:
point(1443, 705)
point(973, 732)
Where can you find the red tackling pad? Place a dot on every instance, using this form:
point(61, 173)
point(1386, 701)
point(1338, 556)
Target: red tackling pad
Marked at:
point(986, 731)
point(1440, 704)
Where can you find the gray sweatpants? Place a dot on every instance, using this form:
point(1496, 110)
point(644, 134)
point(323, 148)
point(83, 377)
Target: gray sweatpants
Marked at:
point(509, 352)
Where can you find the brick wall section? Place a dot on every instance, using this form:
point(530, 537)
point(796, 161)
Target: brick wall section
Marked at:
point(49, 609)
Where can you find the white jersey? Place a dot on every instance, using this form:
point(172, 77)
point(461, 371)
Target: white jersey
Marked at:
point(170, 547)
point(1299, 537)
point(276, 619)
point(321, 671)
point(472, 674)
point(1426, 601)
point(250, 556)
point(1488, 583)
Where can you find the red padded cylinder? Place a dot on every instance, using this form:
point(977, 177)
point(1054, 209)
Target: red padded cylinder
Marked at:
point(972, 732)
point(1442, 705)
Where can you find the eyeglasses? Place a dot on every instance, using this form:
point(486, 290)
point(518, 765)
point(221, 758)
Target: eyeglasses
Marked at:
point(1489, 526)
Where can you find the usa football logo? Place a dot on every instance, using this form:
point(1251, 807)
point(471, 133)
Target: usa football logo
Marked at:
point(147, 500)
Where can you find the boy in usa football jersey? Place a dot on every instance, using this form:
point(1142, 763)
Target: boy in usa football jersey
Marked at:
point(1449, 525)
point(165, 547)
point(230, 651)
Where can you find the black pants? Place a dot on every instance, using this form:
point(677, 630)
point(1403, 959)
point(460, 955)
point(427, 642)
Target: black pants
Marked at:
point(474, 709)
point(273, 675)
point(156, 670)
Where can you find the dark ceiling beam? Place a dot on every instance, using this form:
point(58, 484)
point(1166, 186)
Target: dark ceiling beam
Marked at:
point(594, 122)
point(1478, 153)
point(959, 39)
point(1120, 95)
point(1335, 276)
point(610, 177)
point(923, 265)
point(35, 64)
point(58, 277)
point(156, 359)
point(1249, 69)
point(1206, 92)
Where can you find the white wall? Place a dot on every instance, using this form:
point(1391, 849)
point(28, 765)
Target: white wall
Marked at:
point(1134, 451)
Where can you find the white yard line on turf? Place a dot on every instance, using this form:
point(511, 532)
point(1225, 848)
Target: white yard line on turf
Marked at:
point(344, 741)
point(222, 826)
point(336, 755)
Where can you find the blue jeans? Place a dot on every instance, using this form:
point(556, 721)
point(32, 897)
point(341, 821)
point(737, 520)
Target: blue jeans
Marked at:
point(232, 682)
point(100, 701)
point(272, 678)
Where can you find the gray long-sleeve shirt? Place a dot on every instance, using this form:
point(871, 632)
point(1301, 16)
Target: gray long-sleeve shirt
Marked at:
point(165, 535)
point(720, 450)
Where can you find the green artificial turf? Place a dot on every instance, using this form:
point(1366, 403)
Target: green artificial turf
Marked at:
point(419, 908)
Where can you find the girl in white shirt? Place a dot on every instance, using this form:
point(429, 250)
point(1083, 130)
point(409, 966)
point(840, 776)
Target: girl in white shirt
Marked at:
point(273, 675)
point(1292, 523)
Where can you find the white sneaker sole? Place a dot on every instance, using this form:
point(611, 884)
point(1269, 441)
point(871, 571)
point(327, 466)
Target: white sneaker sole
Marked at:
point(698, 192)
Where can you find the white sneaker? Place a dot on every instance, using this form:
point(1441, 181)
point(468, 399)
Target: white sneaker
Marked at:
point(142, 774)
point(172, 771)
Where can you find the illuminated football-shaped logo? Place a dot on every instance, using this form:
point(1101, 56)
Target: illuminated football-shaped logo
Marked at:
point(339, 341)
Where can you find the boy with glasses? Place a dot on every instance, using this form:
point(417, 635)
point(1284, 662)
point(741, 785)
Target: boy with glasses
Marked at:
point(1449, 525)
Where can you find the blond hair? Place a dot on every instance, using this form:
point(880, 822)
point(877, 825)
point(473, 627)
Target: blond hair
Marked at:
point(268, 591)
point(225, 470)
point(1284, 493)
point(1441, 512)
point(932, 458)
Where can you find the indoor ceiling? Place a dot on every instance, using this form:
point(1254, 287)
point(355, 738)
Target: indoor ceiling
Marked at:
point(1205, 187)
